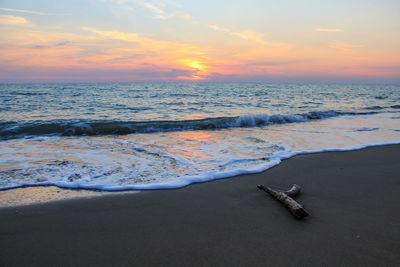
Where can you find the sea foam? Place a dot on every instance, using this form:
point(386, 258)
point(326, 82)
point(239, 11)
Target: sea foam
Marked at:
point(177, 159)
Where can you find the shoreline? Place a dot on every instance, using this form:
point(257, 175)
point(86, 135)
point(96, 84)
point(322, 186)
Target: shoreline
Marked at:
point(47, 193)
point(352, 198)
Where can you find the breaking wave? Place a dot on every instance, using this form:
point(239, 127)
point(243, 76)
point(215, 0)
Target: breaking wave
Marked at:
point(14, 130)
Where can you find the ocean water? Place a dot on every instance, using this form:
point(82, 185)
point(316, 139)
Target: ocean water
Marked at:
point(119, 136)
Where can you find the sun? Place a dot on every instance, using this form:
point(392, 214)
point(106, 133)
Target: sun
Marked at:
point(196, 65)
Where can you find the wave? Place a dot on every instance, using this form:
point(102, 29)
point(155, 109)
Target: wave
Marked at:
point(14, 130)
point(366, 129)
point(382, 107)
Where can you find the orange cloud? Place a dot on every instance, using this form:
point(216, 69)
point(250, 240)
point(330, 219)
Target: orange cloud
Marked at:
point(12, 20)
point(342, 46)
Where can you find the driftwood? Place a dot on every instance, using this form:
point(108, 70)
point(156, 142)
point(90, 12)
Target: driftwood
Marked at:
point(285, 198)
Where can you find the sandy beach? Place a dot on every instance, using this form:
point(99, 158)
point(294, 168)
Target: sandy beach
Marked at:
point(352, 197)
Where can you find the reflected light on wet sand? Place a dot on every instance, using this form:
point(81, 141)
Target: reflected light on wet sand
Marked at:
point(43, 194)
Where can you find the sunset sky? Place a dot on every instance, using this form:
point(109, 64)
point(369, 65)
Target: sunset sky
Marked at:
point(167, 40)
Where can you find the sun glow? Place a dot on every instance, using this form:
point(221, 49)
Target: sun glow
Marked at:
point(193, 64)
point(197, 65)
point(197, 68)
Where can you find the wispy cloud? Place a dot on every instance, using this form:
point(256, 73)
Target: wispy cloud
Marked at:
point(12, 20)
point(328, 30)
point(149, 43)
point(41, 46)
point(125, 58)
point(161, 8)
point(342, 46)
point(129, 37)
point(248, 35)
point(23, 11)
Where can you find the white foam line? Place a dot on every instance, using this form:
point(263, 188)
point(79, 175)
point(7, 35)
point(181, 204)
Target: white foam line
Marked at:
point(275, 160)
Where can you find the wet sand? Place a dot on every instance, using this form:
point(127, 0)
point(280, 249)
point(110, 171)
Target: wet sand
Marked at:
point(42, 194)
point(353, 199)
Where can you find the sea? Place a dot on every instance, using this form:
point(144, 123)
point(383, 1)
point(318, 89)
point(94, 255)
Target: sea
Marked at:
point(158, 135)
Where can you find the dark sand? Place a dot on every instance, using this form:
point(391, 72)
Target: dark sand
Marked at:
point(353, 198)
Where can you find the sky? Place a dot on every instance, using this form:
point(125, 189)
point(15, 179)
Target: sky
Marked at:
point(173, 40)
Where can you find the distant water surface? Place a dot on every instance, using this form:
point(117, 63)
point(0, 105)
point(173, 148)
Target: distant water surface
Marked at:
point(117, 136)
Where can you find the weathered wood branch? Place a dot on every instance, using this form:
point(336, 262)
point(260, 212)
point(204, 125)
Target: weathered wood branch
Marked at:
point(293, 191)
point(284, 197)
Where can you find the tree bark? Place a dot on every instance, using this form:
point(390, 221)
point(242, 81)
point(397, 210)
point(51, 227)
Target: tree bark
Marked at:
point(285, 198)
